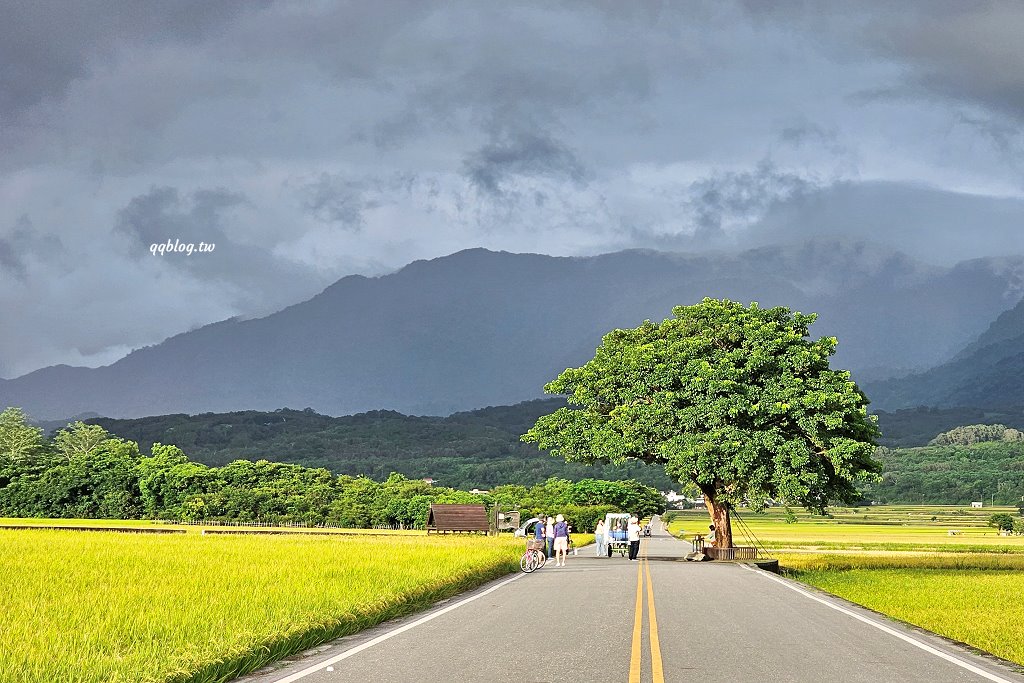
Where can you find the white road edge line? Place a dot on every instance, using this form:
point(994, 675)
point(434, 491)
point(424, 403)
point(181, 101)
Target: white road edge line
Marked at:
point(384, 636)
point(882, 627)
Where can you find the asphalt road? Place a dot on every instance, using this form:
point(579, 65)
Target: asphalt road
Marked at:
point(591, 621)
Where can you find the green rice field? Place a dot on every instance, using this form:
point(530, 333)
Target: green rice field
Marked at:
point(102, 606)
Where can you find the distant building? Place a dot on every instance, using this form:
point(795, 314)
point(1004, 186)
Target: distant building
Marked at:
point(977, 504)
point(678, 500)
point(479, 492)
point(672, 497)
point(428, 480)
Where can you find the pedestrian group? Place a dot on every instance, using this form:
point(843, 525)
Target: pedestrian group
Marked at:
point(554, 531)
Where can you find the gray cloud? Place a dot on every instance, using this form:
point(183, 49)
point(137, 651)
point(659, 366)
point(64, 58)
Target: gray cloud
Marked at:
point(336, 200)
point(162, 214)
point(24, 244)
point(528, 154)
point(721, 201)
point(970, 52)
point(11, 260)
point(47, 44)
point(257, 281)
point(310, 141)
point(935, 225)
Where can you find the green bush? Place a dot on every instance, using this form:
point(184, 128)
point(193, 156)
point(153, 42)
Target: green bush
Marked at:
point(1001, 521)
point(583, 518)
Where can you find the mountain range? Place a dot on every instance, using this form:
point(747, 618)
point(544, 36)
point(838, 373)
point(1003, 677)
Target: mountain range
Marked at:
point(481, 328)
point(987, 373)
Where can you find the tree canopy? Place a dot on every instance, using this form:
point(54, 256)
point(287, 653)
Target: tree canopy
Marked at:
point(738, 400)
point(21, 445)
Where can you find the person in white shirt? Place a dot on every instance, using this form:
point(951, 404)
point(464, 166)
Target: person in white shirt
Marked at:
point(599, 539)
point(633, 534)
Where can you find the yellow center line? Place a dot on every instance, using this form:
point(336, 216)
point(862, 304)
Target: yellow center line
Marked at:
point(638, 622)
point(657, 671)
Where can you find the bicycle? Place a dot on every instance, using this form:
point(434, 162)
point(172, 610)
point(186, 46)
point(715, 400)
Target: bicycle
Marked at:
point(534, 558)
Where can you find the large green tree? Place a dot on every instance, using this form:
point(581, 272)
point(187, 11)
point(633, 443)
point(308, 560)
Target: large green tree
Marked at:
point(21, 446)
point(77, 439)
point(738, 400)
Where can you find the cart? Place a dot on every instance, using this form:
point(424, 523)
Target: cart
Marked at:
point(616, 534)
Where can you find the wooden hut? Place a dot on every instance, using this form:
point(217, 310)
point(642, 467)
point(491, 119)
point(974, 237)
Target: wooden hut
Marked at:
point(445, 519)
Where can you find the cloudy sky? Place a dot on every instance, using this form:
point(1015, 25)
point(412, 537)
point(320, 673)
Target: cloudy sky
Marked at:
point(311, 140)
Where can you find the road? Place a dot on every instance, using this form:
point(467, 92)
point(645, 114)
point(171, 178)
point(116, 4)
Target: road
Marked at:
point(592, 621)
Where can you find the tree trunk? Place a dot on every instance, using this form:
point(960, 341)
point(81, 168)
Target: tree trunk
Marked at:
point(720, 518)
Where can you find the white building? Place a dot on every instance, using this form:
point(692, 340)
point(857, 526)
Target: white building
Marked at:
point(672, 497)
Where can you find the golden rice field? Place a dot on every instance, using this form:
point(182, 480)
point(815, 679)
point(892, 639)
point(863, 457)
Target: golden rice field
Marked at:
point(885, 528)
point(970, 598)
point(98, 606)
point(145, 524)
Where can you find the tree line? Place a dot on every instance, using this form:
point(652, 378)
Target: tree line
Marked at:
point(992, 471)
point(83, 471)
point(476, 449)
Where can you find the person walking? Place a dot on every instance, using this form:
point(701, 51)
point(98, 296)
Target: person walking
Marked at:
point(549, 536)
point(602, 547)
point(561, 540)
point(633, 534)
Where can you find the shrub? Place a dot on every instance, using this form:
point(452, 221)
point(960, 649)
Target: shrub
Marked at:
point(1001, 521)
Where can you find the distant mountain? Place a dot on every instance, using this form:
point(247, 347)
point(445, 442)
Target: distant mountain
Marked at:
point(1002, 339)
point(477, 449)
point(483, 328)
point(988, 373)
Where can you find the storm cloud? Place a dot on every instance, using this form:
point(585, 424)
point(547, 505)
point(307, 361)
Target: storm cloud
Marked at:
point(310, 141)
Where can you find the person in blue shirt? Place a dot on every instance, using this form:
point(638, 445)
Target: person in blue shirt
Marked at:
point(561, 540)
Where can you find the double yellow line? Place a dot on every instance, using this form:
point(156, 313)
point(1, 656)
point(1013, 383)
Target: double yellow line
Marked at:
point(657, 670)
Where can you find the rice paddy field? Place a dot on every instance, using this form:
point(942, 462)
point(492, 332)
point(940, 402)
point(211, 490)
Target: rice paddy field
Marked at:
point(105, 606)
point(882, 528)
point(148, 525)
point(970, 598)
point(903, 562)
